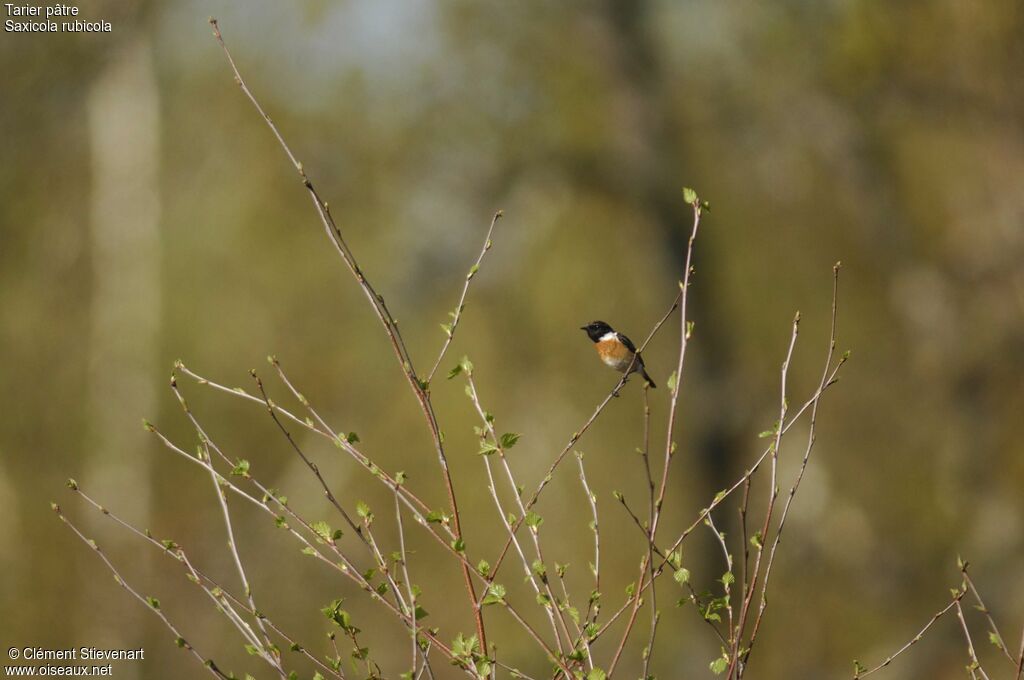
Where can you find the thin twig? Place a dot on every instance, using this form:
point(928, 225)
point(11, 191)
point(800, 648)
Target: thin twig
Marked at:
point(533, 573)
point(410, 590)
point(684, 336)
point(727, 588)
point(457, 314)
point(655, 614)
point(1020, 658)
point(210, 586)
point(411, 500)
point(1001, 643)
point(975, 668)
point(419, 387)
point(723, 495)
point(181, 641)
point(366, 539)
point(345, 567)
point(579, 433)
point(857, 673)
point(811, 438)
point(266, 649)
point(594, 601)
point(529, 575)
point(773, 494)
point(313, 467)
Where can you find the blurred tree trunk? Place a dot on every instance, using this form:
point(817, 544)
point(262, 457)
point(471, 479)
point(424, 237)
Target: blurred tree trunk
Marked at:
point(124, 134)
point(651, 144)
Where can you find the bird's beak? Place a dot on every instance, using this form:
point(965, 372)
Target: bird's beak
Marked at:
point(583, 328)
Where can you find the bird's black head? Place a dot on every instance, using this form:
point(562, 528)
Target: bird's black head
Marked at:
point(595, 329)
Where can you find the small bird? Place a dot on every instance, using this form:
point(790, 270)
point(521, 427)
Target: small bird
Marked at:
point(616, 350)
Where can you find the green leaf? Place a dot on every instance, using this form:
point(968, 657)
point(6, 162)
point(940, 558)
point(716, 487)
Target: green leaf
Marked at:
point(339, 616)
point(437, 517)
point(323, 530)
point(153, 602)
point(495, 594)
point(509, 439)
point(596, 674)
point(994, 639)
point(352, 438)
point(241, 468)
point(487, 448)
point(465, 647)
point(689, 195)
point(682, 576)
point(728, 578)
point(363, 510)
point(672, 381)
point(421, 613)
point(484, 567)
point(719, 665)
point(533, 520)
point(447, 328)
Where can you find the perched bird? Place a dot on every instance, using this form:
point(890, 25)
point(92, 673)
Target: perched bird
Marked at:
point(616, 350)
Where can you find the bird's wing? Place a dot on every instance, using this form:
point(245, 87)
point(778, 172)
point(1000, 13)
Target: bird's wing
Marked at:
point(627, 342)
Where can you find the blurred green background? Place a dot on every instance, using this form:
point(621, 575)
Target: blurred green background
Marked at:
point(147, 214)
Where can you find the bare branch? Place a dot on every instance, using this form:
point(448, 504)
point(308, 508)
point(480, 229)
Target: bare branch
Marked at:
point(179, 639)
point(684, 337)
point(419, 387)
point(975, 669)
point(449, 329)
point(859, 673)
point(811, 438)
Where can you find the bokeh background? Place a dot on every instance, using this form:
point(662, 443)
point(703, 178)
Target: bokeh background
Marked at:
point(147, 214)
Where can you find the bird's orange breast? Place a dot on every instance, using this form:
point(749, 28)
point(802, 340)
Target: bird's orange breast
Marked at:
point(614, 353)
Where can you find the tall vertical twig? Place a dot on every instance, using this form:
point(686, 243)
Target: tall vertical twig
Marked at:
point(450, 328)
point(418, 386)
point(811, 439)
point(685, 330)
point(150, 604)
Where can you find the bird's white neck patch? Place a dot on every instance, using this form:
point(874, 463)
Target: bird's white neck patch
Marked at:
point(610, 335)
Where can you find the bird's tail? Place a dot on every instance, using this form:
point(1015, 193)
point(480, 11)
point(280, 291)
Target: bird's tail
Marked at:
point(643, 372)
